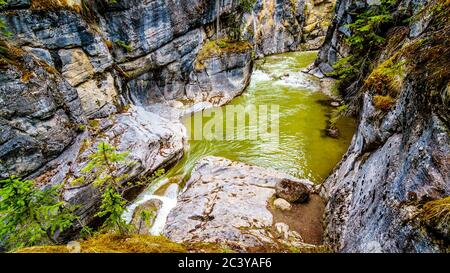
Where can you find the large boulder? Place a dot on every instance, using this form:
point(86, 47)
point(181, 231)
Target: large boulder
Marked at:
point(228, 202)
point(293, 191)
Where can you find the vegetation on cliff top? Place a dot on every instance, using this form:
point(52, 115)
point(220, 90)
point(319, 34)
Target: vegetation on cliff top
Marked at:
point(376, 28)
point(215, 48)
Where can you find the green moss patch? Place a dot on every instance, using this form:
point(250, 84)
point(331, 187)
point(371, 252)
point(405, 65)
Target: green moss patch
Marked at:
point(109, 243)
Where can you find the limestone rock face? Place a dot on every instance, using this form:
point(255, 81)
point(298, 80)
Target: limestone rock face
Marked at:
point(40, 114)
point(318, 16)
point(151, 141)
point(276, 26)
point(222, 78)
point(76, 67)
point(280, 26)
point(147, 47)
point(163, 40)
point(398, 158)
point(98, 96)
point(227, 202)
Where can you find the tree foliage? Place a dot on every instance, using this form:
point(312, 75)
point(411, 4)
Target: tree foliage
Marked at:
point(107, 170)
point(29, 215)
point(104, 167)
point(367, 32)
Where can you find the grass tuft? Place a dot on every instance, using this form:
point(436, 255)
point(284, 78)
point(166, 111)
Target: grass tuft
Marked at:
point(111, 243)
point(383, 102)
point(437, 210)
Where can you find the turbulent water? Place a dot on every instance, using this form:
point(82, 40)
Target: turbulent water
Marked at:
point(302, 149)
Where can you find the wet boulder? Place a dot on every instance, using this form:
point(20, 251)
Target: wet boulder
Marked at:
point(293, 190)
point(144, 215)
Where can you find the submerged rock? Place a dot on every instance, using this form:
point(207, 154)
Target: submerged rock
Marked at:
point(332, 132)
point(40, 114)
point(227, 202)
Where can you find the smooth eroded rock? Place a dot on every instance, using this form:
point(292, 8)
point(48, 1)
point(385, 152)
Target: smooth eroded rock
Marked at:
point(226, 202)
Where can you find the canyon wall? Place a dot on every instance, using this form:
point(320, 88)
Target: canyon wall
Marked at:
point(276, 26)
point(399, 157)
point(78, 73)
point(81, 72)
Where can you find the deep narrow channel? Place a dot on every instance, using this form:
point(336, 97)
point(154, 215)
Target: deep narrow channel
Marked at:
point(303, 150)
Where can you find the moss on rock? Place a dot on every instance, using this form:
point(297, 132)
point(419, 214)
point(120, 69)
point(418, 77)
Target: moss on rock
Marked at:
point(215, 48)
point(109, 243)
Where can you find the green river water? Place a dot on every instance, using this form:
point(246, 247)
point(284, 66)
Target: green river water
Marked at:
point(302, 150)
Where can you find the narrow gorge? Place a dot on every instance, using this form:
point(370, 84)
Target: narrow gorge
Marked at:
point(115, 120)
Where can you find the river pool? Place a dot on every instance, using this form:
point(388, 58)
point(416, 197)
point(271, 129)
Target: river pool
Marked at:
point(302, 148)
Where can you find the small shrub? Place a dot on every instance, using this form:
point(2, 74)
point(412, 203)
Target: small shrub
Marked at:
point(112, 207)
point(103, 167)
point(29, 215)
point(345, 68)
point(81, 128)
